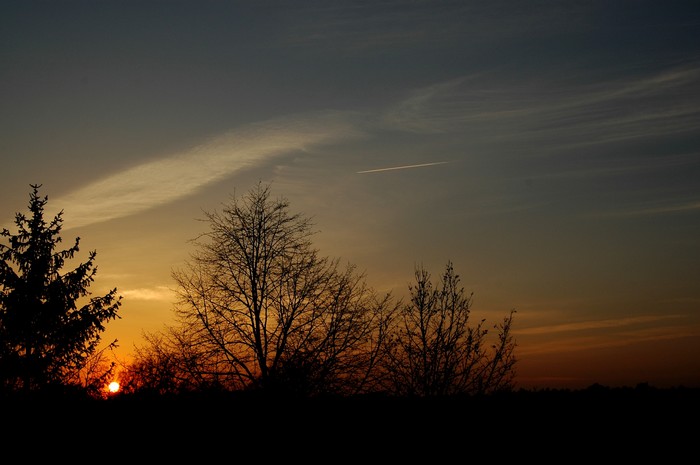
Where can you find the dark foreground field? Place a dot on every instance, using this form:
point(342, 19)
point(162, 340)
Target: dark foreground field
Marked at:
point(597, 423)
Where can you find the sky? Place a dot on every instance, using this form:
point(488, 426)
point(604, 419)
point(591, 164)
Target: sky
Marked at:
point(549, 149)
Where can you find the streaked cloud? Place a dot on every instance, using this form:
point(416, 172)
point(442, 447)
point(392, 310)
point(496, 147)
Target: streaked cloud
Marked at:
point(165, 180)
point(425, 110)
point(621, 166)
point(619, 339)
point(554, 109)
point(595, 324)
point(404, 167)
point(658, 210)
point(161, 293)
point(374, 27)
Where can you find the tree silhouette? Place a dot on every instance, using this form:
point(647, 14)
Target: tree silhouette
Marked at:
point(259, 308)
point(46, 338)
point(435, 351)
point(157, 369)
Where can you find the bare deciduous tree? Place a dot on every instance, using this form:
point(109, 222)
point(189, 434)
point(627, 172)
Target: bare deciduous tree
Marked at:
point(436, 352)
point(259, 308)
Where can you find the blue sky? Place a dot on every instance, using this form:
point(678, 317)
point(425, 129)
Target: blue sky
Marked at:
point(549, 149)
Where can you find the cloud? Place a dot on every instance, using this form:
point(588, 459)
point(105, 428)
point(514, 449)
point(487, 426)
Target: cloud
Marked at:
point(162, 181)
point(162, 293)
point(597, 324)
point(675, 208)
point(603, 334)
point(425, 109)
point(623, 165)
point(375, 27)
point(556, 111)
point(620, 339)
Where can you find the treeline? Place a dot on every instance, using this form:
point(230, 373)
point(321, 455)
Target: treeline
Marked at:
point(259, 310)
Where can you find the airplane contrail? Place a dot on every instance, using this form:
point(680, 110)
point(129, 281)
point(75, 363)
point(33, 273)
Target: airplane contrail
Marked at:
point(403, 167)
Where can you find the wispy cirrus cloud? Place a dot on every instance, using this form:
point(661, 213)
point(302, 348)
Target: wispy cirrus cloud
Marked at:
point(162, 181)
point(374, 27)
point(595, 324)
point(668, 208)
point(638, 128)
point(601, 334)
point(555, 111)
point(159, 293)
point(619, 339)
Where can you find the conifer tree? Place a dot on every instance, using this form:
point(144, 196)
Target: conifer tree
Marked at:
point(50, 325)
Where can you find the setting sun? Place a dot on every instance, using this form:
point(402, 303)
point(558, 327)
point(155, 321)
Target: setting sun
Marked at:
point(113, 386)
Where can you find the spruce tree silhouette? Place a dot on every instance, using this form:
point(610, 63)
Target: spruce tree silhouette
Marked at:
point(46, 337)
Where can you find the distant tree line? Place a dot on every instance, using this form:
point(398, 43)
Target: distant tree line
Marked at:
point(258, 309)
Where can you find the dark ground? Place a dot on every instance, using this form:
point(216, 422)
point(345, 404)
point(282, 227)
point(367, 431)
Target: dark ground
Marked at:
point(562, 426)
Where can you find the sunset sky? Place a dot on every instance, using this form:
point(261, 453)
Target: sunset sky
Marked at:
point(549, 149)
